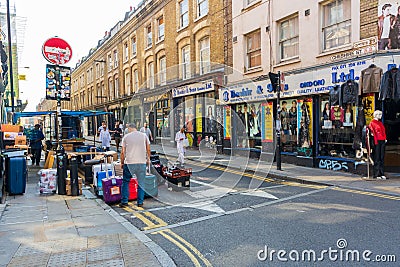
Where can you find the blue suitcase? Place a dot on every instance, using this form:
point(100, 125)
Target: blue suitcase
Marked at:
point(100, 176)
point(150, 186)
point(17, 173)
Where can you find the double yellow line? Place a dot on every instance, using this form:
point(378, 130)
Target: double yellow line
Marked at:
point(288, 183)
point(152, 222)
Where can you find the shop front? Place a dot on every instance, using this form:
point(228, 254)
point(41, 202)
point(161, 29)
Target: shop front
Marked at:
point(248, 116)
point(195, 108)
point(324, 113)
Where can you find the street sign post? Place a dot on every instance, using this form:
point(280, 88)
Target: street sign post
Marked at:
point(58, 52)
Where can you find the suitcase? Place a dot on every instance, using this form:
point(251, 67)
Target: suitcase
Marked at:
point(17, 174)
point(99, 184)
point(112, 189)
point(133, 187)
point(150, 184)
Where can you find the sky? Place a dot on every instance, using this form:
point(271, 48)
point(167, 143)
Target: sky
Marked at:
point(79, 22)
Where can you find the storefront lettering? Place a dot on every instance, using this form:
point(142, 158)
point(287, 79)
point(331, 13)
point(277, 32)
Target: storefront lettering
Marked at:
point(193, 89)
point(342, 77)
point(312, 83)
point(243, 93)
point(270, 89)
point(334, 165)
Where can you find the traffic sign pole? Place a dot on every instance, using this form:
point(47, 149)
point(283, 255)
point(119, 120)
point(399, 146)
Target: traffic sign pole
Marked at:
point(57, 51)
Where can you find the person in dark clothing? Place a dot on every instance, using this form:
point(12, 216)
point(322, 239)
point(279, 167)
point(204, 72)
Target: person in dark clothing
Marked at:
point(117, 135)
point(36, 144)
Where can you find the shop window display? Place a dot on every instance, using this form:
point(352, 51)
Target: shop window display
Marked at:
point(248, 125)
point(337, 128)
point(288, 117)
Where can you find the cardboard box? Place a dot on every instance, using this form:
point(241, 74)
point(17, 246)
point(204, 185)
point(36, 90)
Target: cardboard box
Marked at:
point(68, 181)
point(10, 128)
point(20, 140)
point(69, 191)
point(114, 154)
point(10, 135)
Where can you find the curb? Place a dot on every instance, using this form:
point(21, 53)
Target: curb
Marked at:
point(163, 258)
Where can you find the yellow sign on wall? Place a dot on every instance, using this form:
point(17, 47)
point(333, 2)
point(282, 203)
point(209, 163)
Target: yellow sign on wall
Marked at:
point(267, 122)
point(199, 118)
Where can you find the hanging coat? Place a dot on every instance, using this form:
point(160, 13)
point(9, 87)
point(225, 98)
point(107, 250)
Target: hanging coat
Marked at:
point(390, 85)
point(358, 132)
point(349, 92)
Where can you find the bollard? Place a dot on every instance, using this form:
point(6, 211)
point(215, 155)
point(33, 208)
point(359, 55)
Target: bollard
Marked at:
point(61, 170)
point(74, 176)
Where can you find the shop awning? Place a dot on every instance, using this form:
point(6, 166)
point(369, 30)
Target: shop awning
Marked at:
point(81, 114)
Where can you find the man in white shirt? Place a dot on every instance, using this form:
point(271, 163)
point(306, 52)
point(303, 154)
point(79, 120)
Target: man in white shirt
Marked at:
point(179, 138)
point(135, 154)
point(105, 138)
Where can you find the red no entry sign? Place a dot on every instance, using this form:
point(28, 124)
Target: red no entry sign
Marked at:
point(57, 51)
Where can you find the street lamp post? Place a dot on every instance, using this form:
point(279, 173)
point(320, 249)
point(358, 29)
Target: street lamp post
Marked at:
point(10, 56)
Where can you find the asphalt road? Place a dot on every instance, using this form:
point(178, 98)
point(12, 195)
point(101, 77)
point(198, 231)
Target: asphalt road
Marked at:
point(229, 218)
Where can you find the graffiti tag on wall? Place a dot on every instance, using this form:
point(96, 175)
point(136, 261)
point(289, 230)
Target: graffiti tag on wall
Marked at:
point(334, 165)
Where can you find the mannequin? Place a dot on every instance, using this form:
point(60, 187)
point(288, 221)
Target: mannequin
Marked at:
point(379, 133)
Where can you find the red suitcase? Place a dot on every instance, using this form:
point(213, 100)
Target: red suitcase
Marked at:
point(133, 188)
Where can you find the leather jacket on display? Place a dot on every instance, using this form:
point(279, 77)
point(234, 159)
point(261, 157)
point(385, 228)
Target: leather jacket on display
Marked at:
point(335, 96)
point(390, 85)
point(349, 92)
point(358, 140)
point(370, 80)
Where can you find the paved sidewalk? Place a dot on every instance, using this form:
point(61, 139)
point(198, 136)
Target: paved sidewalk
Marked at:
point(290, 172)
point(55, 230)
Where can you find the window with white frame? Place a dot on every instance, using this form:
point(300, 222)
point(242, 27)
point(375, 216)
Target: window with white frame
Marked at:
point(115, 58)
point(185, 62)
point(110, 65)
point(110, 89)
point(134, 47)
point(289, 38)
point(127, 83)
point(102, 69)
point(336, 29)
point(126, 51)
point(150, 75)
point(249, 2)
point(116, 86)
point(97, 70)
point(202, 8)
point(88, 76)
point(149, 36)
point(253, 49)
point(136, 80)
point(204, 49)
point(162, 72)
point(161, 29)
point(183, 13)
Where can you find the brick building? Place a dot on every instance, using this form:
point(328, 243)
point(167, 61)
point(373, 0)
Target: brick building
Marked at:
point(142, 67)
